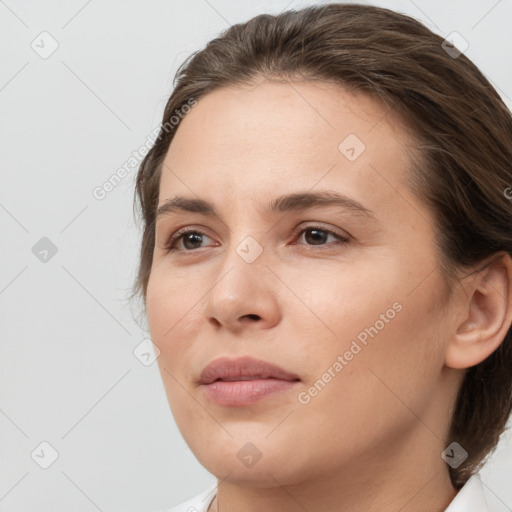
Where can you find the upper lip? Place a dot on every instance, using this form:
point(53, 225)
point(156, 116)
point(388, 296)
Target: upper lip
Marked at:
point(226, 368)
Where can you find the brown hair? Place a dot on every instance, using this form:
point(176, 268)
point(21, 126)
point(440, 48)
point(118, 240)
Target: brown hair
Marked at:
point(463, 132)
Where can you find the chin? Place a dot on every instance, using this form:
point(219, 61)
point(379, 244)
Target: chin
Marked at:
point(250, 464)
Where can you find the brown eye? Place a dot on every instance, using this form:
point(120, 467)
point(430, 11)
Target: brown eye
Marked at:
point(318, 236)
point(191, 240)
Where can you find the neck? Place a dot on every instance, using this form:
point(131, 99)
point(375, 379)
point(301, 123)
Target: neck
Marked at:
point(444, 494)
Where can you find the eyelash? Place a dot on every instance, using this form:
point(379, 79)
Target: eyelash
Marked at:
point(180, 233)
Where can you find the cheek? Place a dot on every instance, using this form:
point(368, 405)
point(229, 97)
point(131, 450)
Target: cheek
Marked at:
point(374, 390)
point(334, 304)
point(170, 312)
point(171, 294)
point(373, 333)
point(173, 317)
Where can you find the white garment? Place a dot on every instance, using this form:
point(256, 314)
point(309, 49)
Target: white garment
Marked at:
point(470, 498)
point(199, 503)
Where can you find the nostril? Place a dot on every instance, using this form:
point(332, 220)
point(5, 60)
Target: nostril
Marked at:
point(253, 317)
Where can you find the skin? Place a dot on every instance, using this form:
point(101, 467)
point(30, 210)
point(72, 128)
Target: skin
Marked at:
point(372, 438)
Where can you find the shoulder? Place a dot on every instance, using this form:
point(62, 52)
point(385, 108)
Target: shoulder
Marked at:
point(199, 503)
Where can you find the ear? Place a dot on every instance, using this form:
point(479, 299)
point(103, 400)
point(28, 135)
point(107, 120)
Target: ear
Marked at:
point(486, 314)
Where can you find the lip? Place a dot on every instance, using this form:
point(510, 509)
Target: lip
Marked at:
point(244, 380)
point(225, 368)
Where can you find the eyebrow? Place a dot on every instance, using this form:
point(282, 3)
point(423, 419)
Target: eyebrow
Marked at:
point(285, 203)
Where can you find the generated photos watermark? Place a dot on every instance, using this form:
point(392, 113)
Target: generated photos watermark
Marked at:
point(101, 191)
point(304, 397)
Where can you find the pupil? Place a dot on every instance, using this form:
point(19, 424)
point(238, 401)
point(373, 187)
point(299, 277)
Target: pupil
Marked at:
point(189, 237)
point(316, 239)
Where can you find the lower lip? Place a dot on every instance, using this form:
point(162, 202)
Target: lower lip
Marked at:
point(245, 392)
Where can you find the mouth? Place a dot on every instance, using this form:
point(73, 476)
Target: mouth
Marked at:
point(243, 381)
point(243, 368)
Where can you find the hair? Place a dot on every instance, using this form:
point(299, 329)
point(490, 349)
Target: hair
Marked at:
point(462, 156)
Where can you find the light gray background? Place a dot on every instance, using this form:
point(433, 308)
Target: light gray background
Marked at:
point(68, 374)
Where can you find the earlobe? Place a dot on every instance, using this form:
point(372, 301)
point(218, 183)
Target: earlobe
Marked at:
point(487, 316)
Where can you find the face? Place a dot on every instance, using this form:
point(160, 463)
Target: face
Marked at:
point(346, 295)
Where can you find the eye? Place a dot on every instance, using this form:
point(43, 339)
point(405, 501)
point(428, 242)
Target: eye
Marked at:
point(185, 235)
point(318, 235)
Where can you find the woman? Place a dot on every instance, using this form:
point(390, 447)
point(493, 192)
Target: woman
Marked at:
point(325, 264)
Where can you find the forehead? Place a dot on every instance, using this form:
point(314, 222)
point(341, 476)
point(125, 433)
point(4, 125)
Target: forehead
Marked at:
point(273, 138)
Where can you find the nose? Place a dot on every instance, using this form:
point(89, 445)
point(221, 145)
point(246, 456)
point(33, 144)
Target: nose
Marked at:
point(243, 295)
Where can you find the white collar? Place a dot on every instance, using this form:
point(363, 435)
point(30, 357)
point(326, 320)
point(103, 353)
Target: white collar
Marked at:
point(470, 498)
